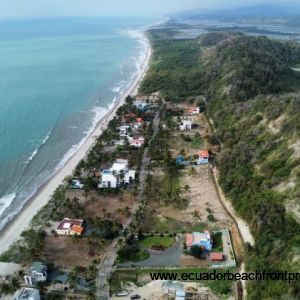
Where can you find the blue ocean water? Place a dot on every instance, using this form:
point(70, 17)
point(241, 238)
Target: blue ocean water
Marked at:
point(57, 78)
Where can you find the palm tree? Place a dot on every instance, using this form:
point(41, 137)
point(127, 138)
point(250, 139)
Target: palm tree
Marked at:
point(192, 171)
point(196, 215)
point(187, 189)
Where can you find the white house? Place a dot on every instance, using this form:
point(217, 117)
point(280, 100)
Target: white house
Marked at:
point(36, 273)
point(116, 175)
point(140, 105)
point(203, 157)
point(70, 227)
point(124, 130)
point(25, 293)
point(185, 125)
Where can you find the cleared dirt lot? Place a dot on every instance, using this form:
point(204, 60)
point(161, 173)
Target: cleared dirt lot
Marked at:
point(97, 205)
point(67, 253)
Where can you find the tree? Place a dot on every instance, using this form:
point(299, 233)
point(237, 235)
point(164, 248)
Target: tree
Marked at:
point(192, 171)
point(196, 251)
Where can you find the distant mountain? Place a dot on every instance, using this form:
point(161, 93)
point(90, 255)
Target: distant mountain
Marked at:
point(261, 11)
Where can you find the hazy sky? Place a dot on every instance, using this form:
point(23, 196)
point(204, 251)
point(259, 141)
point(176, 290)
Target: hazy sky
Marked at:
point(45, 8)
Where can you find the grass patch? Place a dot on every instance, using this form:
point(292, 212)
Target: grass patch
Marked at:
point(217, 242)
point(135, 257)
point(165, 241)
point(197, 142)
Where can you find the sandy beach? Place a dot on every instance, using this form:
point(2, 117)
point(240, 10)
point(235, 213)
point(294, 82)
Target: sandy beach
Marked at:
point(12, 231)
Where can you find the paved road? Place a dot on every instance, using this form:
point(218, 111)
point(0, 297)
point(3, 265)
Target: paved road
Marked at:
point(106, 267)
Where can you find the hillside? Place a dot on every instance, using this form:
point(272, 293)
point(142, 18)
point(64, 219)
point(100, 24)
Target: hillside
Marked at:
point(268, 12)
point(253, 100)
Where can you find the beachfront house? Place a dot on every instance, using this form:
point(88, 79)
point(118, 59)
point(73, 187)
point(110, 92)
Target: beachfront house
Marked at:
point(193, 111)
point(26, 293)
point(36, 273)
point(119, 174)
point(140, 105)
point(124, 130)
point(185, 125)
point(203, 157)
point(201, 239)
point(70, 227)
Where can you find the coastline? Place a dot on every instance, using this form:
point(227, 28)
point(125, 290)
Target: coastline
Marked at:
point(21, 222)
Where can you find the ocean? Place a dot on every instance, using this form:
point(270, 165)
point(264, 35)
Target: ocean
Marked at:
point(58, 77)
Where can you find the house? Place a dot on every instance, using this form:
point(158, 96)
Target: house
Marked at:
point(36, 273)
point(124, 130)
point(216, 256)
point(118, 174)
point(140, 105)
point(185, 125)
point(200, 239)
point(136, 142)
point(25, 293)
point(76, 185)
point(70, 227)
point(193, 111)
point(203, 157)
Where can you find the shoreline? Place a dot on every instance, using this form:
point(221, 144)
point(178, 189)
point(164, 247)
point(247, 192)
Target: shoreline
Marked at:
point(12, 231)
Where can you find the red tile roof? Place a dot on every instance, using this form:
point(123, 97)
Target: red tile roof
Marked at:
point(216, 256)
point(203, 153)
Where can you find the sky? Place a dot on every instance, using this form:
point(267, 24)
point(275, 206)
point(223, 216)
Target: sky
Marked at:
point(52, 8)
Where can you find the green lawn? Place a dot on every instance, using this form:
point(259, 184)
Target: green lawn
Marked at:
point(150, 241)
point(138, 256)
point(217, 242)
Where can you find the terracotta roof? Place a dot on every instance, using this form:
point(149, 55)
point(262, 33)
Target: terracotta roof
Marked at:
point(77, 229)
point(216, 256)
point(204, 153)
point(67, 223)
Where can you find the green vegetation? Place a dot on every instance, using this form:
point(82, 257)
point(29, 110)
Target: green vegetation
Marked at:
point(160, 241)
point(253, 98)
point(217, 242)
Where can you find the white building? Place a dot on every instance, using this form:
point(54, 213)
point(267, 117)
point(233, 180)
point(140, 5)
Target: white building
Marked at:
point(27, 294)
point(36, 273)
point(185, 125)
point(124, 130)
point(118, 174)
point(140, 105)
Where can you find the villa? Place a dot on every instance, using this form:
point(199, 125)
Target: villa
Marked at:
point(36, 273)
point(200, 239)
point(203, 157)
point(185, 125)
point(141, 105)
point(117, 175)
point(70, 227)
point(25, 293)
